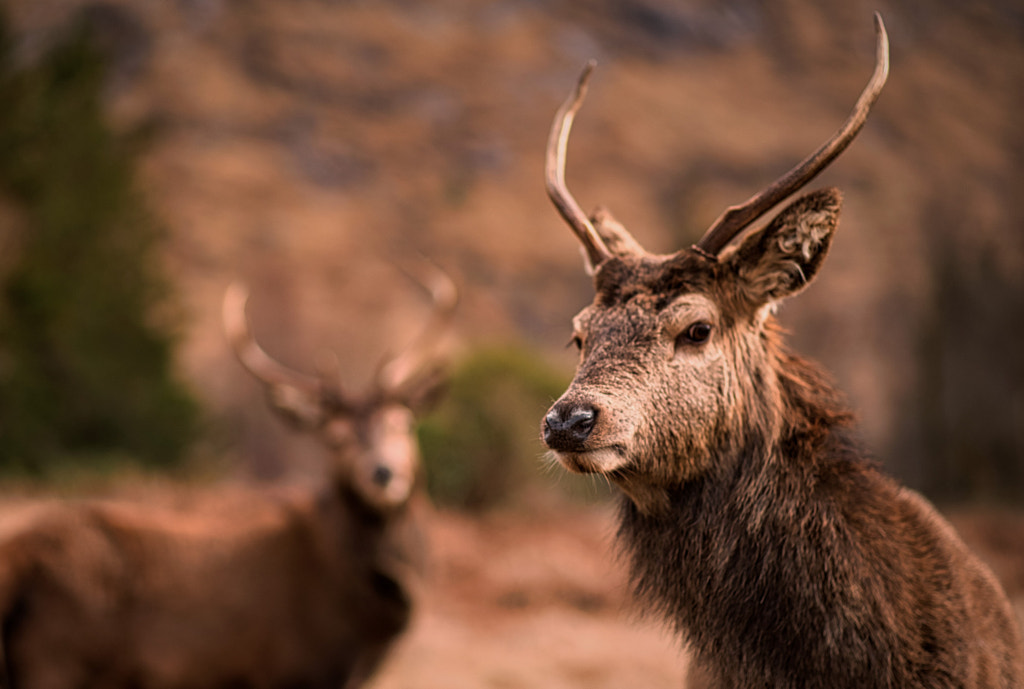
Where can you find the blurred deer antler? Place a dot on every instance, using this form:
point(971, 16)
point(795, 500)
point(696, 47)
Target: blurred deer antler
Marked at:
point(405, 369)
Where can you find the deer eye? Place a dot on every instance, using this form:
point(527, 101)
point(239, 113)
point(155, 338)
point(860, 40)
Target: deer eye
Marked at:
point(697, 333)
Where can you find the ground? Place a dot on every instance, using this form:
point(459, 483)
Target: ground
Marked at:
point(538, 600)
point(534, 595)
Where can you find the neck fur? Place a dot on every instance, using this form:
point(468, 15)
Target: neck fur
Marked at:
point(729, 561)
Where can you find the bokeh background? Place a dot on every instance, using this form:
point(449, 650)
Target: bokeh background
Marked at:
point(153, 151)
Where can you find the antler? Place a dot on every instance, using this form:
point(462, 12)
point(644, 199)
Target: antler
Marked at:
point(401, 371)
point(250, 354)
point(736, 218)
point(554, 170)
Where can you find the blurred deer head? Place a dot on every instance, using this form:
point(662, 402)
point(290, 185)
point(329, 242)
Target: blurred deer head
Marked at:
point(678, 356)
point(371, 436)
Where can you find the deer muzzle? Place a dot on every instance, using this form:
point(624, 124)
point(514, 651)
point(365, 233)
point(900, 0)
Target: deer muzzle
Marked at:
point(589, 432)
point(568, 425)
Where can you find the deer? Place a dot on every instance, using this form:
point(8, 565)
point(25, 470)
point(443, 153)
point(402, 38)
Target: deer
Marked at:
point(268, 586)
point(751, 518)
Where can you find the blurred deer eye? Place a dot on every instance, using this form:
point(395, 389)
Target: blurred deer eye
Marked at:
point(698, 333)
point(338, 433)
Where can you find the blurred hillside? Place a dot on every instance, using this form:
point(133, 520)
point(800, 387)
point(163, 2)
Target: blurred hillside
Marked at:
point(306, 146)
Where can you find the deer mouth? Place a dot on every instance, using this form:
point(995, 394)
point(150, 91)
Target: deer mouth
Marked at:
point(598, 461)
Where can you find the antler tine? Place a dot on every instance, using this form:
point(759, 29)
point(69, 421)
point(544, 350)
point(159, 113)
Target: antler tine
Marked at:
point(397, 372)
point(736, 218)
point(554, 170)
point(249, 353)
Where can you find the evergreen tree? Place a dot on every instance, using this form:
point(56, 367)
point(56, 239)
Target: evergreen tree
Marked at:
point(85, 367)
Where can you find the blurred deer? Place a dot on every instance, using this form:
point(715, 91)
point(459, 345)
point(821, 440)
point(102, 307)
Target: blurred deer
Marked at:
point(279, 587)
point(753, 521)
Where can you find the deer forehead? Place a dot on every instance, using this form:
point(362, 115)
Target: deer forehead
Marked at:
point(648, 315)
point(370, 426)
point(653, 293)
point(394, 420)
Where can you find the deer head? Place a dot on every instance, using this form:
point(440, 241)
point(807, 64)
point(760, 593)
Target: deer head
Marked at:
point(370, 436)
point(679, 361)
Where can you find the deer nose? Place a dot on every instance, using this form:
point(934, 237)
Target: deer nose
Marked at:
point(381, 476)
point(568, 425)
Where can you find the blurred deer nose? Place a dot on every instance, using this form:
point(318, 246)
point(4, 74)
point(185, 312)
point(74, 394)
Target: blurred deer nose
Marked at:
point(381, 476)
point(567, 426)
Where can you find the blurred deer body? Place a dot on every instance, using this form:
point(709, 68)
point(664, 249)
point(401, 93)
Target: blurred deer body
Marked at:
point(753, 521)
point(279, 590)
point(276, 587)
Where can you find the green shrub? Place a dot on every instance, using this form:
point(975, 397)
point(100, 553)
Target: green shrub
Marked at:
point(85, 361)
point(481, 445)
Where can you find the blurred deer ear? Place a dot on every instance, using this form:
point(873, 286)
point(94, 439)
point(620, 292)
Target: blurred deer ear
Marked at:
point(785, 256)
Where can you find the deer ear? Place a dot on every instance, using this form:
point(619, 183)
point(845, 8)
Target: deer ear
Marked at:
point(615, 236)
point(784, 257)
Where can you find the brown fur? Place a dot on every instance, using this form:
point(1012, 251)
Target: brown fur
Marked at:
point(753, 521)
point(262, 589)
point(272, 588)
